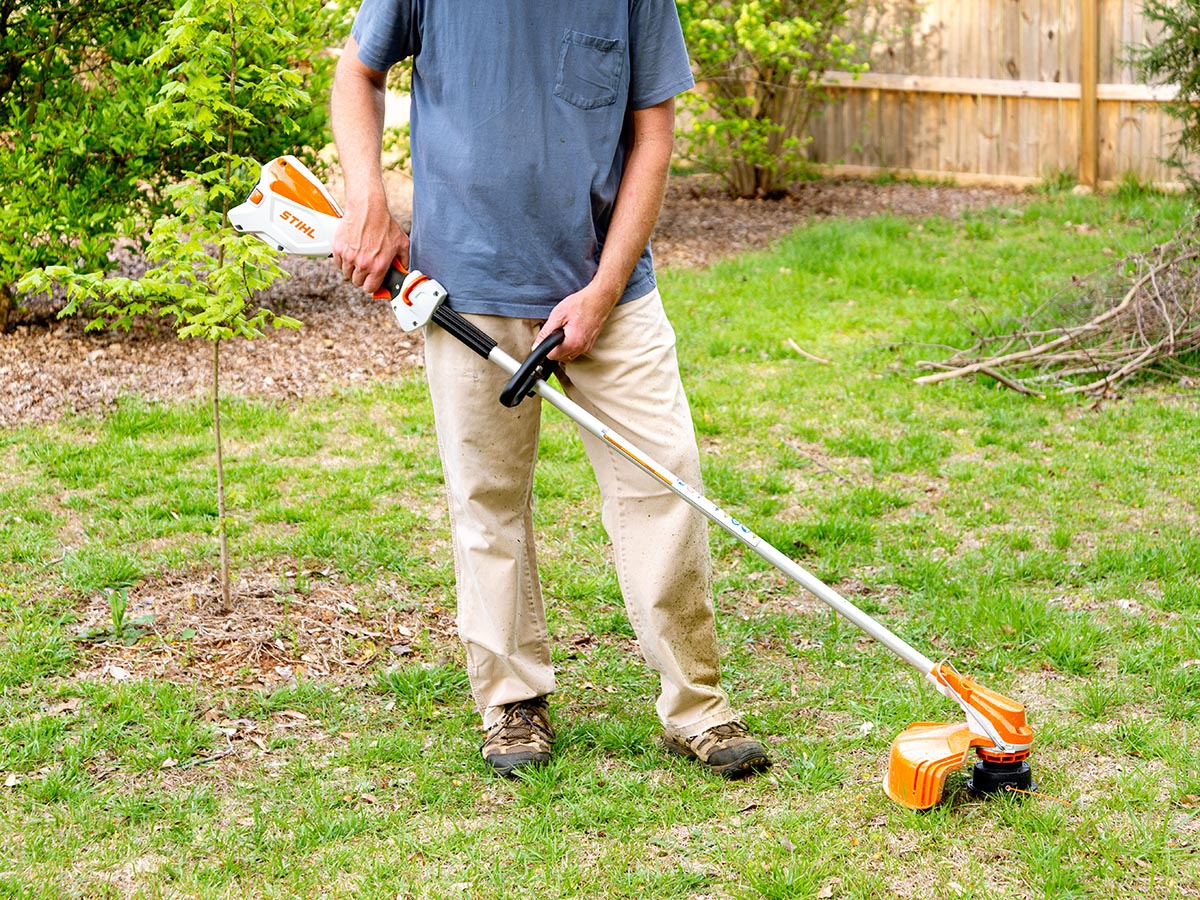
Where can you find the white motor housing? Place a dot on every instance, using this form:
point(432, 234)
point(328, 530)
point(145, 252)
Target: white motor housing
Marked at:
point(290, 209)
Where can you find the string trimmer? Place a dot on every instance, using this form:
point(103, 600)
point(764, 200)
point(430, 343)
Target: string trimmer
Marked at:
point(291, 210)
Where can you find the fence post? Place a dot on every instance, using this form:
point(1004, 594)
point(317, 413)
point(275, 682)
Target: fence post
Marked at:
point(1089, 77)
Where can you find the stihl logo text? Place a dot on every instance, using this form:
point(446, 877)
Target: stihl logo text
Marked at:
point(299, 224)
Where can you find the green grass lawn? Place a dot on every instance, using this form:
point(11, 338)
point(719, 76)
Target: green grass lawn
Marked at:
point(328, 747)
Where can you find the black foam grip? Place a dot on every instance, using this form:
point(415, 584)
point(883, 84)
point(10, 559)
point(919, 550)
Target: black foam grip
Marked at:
point(479, 341)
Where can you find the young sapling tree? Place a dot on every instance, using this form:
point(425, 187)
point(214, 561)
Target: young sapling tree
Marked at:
point(228, 66)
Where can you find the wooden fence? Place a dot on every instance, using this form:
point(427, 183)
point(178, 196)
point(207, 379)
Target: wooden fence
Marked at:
point(1002, 91)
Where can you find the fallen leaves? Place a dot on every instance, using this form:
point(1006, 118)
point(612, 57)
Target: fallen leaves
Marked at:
point(115, 672)
point(69, 705)
point(828, 888)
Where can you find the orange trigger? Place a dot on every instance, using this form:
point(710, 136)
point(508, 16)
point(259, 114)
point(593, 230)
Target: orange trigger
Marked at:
point(408, 290)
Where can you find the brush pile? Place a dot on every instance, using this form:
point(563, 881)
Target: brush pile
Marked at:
point(1100, 332)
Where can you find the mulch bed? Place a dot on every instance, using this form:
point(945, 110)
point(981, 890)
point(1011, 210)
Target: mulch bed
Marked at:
point(51, 367)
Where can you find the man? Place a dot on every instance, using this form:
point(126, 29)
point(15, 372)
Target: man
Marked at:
point(541, 143)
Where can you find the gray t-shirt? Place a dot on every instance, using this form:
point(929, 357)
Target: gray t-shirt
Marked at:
point(520, 132)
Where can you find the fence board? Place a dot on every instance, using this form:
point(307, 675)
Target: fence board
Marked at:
point(991, 89)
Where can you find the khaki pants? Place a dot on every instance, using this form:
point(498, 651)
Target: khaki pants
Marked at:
point(630, 380)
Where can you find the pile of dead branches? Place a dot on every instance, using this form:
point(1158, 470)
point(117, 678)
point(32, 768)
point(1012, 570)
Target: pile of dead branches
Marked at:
point(1099, 332)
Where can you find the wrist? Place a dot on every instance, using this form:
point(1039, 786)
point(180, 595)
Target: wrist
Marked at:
point(607, 289)
point(369, 200)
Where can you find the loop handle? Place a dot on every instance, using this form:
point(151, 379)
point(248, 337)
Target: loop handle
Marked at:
point(535, 368)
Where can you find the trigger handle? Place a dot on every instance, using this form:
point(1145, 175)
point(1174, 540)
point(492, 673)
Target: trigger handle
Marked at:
point(392, 282)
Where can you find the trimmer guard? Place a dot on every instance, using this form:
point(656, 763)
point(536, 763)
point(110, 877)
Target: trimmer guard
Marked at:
point(922, 755)
point(926, 752)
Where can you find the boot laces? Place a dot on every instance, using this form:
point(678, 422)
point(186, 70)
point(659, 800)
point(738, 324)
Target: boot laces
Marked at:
point(521, 722)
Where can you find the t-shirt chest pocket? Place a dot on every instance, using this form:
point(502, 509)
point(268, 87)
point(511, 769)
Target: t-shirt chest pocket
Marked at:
point(589, 70)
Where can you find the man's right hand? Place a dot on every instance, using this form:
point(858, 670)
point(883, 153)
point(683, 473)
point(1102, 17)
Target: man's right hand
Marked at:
point(366, 242)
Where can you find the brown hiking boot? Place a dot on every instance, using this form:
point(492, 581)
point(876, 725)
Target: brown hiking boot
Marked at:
point(726, 749)
point(521, 738)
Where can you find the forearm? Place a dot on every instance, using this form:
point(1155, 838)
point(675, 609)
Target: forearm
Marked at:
point(368, 239)
point(582, 315)
point(357, 114)
point(639, 198)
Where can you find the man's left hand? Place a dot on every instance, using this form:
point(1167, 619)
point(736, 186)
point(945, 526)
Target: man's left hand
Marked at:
point(581, 316)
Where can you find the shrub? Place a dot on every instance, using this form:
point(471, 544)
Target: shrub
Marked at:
point(73, 141)
point(83, 161)
point(759, 66)
point(1174, 58)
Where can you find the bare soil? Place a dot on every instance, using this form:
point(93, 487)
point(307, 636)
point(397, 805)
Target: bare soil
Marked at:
point(283, 625)
point(51, 367)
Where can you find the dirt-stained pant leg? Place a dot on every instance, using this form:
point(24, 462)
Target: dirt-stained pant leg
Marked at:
point(631, 380)
point(488, 454)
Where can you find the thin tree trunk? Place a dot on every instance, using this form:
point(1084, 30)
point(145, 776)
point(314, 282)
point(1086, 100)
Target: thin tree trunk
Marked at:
point(222, 532)
point(216, 373)
point(6, 305)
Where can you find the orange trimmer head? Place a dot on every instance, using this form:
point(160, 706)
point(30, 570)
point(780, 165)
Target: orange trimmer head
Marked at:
point(926, 752)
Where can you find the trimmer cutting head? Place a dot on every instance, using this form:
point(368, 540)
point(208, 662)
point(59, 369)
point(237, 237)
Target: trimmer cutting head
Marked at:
point(926, 752)
point(994, 777)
